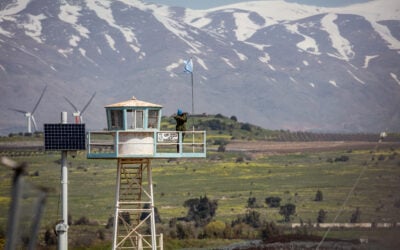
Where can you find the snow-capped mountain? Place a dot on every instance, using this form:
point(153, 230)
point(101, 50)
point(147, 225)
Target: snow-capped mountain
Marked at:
point(276, 64)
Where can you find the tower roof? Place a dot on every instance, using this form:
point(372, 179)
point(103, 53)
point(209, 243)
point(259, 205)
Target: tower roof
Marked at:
point(134, 103)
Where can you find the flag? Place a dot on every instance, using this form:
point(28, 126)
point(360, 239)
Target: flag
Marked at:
point(188, 66)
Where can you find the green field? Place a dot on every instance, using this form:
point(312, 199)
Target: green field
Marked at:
point(294, 177)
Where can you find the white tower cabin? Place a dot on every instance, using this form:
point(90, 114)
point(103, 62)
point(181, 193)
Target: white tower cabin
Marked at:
point(133, 137)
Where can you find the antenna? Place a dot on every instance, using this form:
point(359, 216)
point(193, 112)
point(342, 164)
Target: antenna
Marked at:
point(78, 114)
point(29, 115)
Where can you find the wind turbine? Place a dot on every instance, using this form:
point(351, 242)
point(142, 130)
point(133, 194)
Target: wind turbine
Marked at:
point(29, 115)
point(78, 114)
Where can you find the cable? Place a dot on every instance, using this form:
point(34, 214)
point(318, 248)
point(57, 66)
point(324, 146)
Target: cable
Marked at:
point(382, 135)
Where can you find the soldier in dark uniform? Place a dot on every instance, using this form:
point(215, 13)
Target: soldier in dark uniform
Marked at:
point(180, 118)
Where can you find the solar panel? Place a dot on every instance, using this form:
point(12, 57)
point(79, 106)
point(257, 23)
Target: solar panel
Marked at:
point(64, 137)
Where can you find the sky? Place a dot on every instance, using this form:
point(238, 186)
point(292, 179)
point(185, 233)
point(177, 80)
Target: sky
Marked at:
point(207, 4)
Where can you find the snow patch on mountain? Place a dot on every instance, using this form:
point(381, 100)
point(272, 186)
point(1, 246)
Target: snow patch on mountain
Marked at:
point(245, 27)
point(110, 42)
point(201, 63)
point(241, 56)
point(171, 68)
point(74, 41)
point(226, 60)
point(308, 44)
point(341, 44)
point(355, 77)
point(33, 27)
point(394, 76)
point(70, 14)
point(333, 83)
point(368, 59)
point(13, 8)
point(378, 10)
point(103, 11)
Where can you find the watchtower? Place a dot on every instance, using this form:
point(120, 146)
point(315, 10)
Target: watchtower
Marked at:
point(133, 137)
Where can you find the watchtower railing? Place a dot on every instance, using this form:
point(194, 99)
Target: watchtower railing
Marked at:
point(146, 144)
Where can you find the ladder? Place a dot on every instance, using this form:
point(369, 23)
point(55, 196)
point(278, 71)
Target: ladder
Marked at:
point(134, 219)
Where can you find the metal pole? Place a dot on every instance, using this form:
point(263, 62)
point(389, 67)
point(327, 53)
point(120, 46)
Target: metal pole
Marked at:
point(191, 74)
point(152, 216)
point(62, 227)
point(117, 187)
point(14, 212)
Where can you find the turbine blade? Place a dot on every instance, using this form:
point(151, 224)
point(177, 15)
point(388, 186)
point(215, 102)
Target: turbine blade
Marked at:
point(34, 123)
point(37, 104)
point(19, 110)
point(87, 104)
point(75, 108)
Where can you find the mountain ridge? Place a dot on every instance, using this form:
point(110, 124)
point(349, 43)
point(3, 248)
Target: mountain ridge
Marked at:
point(331, 71)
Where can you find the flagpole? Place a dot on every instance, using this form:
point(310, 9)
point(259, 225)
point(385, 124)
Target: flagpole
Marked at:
point(189, 69)
point(191, 75)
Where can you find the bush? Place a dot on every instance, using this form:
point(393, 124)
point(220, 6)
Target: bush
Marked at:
point(270, 230)
point(251, 218)
point(215, 229)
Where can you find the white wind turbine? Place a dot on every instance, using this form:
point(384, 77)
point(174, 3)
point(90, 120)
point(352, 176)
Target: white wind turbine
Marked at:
point(29, 115)
point(78, 114)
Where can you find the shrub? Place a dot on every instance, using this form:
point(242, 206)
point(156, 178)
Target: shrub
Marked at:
point(221, 148)
point(50, 238)
point(82, 221)
point(356, 216)
point(321, 216)
point(251, 202)
point(318, 196)
point(342, 158)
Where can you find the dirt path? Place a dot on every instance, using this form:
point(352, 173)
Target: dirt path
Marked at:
point(315, 146)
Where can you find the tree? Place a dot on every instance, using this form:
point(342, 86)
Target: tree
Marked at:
point(273, 201)
point(287, 210)
point(234, 118)
point(321, 216)
point(201, 210)
point(319, 196)
point(246, 126)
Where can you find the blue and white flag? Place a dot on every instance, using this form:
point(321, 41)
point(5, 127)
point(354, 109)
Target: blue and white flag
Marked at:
point(189, 66)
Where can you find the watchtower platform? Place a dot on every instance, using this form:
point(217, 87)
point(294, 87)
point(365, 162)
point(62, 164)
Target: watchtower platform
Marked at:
point(134, 132)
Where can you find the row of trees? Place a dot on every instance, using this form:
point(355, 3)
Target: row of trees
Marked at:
point(200, 222)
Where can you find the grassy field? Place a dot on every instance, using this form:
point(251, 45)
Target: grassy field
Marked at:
point(230, 178)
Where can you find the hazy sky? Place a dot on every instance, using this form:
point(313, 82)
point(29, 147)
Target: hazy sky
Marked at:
point(206, 4)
